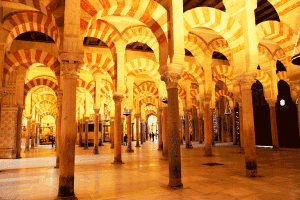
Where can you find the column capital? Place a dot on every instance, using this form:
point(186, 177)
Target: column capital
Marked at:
point(137, 116)
point(70, 69)
point(86, 118)
point(96, 110)
point(28, 117)
point(239, 101)
point(187, 109)
point(246, 80)
point(118, 97)
point(159, 111)
point(171, 74)
point(59, 95)
point(207, 98)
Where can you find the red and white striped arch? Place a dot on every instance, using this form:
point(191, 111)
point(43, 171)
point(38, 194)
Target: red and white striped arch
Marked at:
point(89, 87)
point(45, 97)
point(40, 82)
point(194, 70)
point(106, 88)
point(27, 57)
point(196, 103)
point(105, 32)
point(148, 100)
point(264, 78)
point(264, 56)
point(222, 71)
point(282, 76)
point(98, 63)
point(279, 33)
point(181, 93)
point(224, 93)
point(44, 114)
point(149, 108)
point(136, 66)
point(43, 91)
point(220, 45)
point(280, 55)
point(23, 22)
point(186, 76)
point(220, 22)
point(143, 35)
point(146, 89)
point(148, 12)
point(196, 45)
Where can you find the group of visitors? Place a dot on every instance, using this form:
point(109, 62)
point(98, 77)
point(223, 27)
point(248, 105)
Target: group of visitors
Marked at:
point(152, 136)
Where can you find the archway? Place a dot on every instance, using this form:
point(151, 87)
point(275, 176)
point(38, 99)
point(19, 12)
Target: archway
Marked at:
point(261, 113)
point(287, 119)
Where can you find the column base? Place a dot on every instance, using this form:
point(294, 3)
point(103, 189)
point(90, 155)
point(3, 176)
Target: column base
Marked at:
point(31, 147)
point(56, 166)
point(251, 173)
point(190, 146)
point(26, 151)
point(159, 149)
point(117, 162)
point(85, 148)
point(96, 151)
point(67, 198)
point(175, 183)
point(66, 187)
point(112, 146)
point(208, 152)
point(129, 150)
point(241, 150)
point(275, 148)
point(137, 145)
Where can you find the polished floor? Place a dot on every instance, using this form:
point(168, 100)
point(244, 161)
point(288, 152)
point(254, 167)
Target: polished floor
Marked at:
point(145, 174)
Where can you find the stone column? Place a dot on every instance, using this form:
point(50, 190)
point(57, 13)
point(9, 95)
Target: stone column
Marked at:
point(58, 127)
point(96, 131)
point(165, 152)
point(246, 81)
point(207, 130)
point(70, 68)
point(187, 111)
point(137, 128)
point(233, 127)
point(117, 97)
point(241, 125)
point(112, 130)
point(28, 134)
point(32, 134)
point(141, 132)
point(37, 135)
point(101, 131)
point(19, 131)
point(171, 74)
point(272, 105)
point(160, 144)
point(129, 131)
point(80, 132)
point(86, 142)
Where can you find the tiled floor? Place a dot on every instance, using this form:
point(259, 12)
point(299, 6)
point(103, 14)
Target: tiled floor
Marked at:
point(145, 175)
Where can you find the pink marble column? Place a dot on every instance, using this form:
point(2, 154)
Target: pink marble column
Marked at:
point(118, 129)
point(19, 131)
point(112, 130)
point(275, 142)
point(129, 133)
point(246, 81)
point(58, 127)
point(96, 132)
point(137, 128)
point(207, 131)
point(68, 130)
point(28, 134)
point(165, 152)
point(160, 144)
point(187, 111)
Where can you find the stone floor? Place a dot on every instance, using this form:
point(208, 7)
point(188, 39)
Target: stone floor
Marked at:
point(145, 174)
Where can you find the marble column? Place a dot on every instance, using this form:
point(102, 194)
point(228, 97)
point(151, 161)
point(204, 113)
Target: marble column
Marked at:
point(160, 144)
point(246, 81)
point(96, 132)
point(234, 127)
point(37, 135)
point(58, 127)
point(27, 134)
point(118, 97)
point(129, 131)
point(171, 76)
point(80, 132)
point(207, 130)
point(101, 134)
point(86, 142)
point(275, 142)
point(137, 129)
point(165, 152)
point(68, 125)
point(19, 131)
point(241, 125)
point(32, 134)
point(112, 130)
point(187, 112)
point(141, 132)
